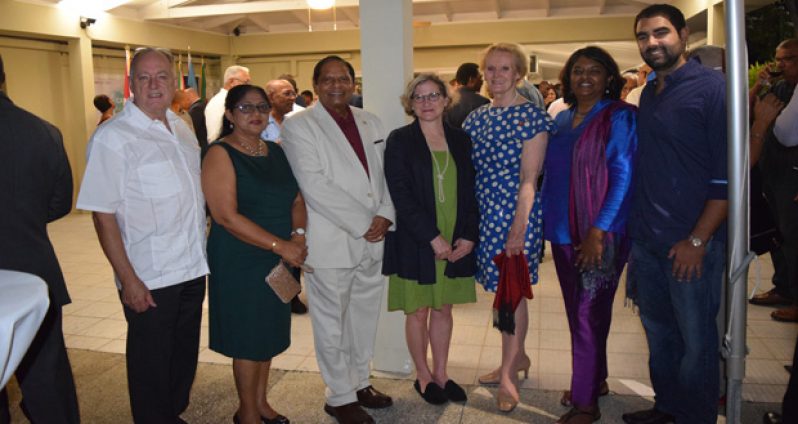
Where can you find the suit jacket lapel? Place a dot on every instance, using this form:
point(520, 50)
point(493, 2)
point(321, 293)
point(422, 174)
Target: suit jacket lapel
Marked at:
point(366, 130)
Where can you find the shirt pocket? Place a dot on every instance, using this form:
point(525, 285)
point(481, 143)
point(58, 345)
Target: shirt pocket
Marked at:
point(158, 180)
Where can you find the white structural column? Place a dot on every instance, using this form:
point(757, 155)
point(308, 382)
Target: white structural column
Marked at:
point(386, 44)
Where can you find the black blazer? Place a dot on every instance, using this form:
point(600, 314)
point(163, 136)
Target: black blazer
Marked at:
point(408, 172)
point(464, 102)
point(35, 188)
point(197, 113)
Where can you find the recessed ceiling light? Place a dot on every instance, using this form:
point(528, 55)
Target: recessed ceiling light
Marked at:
point(320, 4)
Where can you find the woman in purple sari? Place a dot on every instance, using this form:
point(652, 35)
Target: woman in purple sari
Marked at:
point(585, 195)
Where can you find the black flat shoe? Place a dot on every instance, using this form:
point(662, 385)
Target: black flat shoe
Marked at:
point(648, 416)
point(433, 393)
point(454, 392)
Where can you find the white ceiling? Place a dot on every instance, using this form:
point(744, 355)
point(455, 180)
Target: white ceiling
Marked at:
point(280, 16)
point(275, 16)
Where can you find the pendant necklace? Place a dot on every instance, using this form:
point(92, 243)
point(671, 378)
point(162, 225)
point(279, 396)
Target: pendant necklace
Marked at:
point(439, 174)
point(259, 151)
point(501, 109)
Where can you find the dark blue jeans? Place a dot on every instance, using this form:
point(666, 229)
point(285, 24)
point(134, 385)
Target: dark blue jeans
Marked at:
point(679, 319)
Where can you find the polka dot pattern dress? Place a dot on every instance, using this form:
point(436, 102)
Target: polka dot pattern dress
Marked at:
point(498, 135)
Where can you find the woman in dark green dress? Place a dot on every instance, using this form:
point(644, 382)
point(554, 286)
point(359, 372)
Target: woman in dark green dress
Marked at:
point(256, 209)
point(429, 256)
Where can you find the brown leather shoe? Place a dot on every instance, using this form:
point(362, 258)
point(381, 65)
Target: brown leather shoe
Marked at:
point(372, 398)
point(769, 298)
point(351, 413)
point(788, 314)
point(604, 390)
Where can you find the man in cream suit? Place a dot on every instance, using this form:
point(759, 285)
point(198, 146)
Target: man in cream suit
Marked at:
point(336, 154)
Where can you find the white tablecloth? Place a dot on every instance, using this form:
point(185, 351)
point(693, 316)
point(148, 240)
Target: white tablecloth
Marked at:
point(23, 303)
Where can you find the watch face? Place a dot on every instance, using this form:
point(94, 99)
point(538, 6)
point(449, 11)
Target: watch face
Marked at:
point(696, 242)
point(299, 231)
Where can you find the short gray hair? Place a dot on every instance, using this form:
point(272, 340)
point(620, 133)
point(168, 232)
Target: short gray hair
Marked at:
point(271, 86)
point(143, 51)
point(232, 71)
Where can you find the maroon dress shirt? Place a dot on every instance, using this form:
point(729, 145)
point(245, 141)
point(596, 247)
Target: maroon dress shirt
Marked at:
point(349, 128)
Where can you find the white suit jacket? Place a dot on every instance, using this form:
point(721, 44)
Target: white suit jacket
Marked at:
point(341, 199)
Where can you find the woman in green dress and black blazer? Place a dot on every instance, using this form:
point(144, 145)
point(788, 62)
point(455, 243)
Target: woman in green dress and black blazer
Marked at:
point(429, 256)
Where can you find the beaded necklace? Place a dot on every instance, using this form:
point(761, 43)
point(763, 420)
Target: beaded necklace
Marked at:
point(259, 151)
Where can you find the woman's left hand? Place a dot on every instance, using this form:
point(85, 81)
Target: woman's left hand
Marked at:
point(589, 252)
point(516, 238)
point(462, 247)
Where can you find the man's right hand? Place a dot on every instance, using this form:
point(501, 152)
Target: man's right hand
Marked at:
point(137, 296)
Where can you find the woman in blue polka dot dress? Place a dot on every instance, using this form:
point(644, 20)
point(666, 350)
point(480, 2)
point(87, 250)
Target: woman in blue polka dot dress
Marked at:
point(510, 136)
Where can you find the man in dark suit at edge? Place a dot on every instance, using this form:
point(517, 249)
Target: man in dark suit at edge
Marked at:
point(36, 188)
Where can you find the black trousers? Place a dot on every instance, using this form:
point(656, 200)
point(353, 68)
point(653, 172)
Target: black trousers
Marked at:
point(162, 350)
point(45, 377)
point(789, 406)
point(785, 261)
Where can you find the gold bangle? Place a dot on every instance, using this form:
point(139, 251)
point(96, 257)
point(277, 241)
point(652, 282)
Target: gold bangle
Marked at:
point(274, 245)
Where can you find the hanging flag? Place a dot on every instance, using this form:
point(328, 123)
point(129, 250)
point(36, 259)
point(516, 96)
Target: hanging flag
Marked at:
point(126, 88)
point(181, 83)
point(202, 78)
point(192, 79)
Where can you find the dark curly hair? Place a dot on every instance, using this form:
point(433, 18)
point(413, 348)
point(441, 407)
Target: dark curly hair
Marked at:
point(615, 83)
point(233, 97)
point(671, 13)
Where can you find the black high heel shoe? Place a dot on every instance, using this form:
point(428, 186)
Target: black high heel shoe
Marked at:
point(280, 419)
point(432, 394)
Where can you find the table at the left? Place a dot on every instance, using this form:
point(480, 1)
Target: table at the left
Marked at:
point(23, 304)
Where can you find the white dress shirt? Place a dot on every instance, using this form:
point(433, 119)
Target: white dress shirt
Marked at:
point(272, 130)
point(556, 107)
point(786, 127)
point(214, 111)
point(149, 178)
point(633, 98)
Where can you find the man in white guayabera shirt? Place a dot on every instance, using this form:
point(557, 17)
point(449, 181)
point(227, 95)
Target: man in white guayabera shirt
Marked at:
point(142, 185)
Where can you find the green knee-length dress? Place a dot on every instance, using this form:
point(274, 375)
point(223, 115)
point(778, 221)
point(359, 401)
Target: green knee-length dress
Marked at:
point(247, 320)
point(408, 295)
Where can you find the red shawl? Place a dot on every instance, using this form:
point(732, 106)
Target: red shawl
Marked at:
point(514, 283)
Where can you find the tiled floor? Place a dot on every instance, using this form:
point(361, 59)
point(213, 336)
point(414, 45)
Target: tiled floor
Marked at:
point(94, 321)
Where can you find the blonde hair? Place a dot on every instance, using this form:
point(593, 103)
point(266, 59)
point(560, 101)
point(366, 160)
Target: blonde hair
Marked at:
point(520, 60)
point(407, 97)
